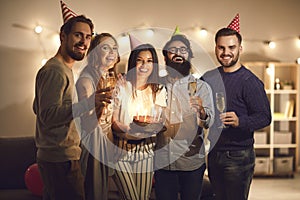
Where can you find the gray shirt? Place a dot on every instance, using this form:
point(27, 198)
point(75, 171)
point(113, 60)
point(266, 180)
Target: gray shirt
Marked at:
point(57, 137)
point(181, 147)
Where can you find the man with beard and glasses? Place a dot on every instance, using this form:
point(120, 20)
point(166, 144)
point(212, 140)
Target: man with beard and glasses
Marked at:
point(57, 138)
point(231, 158)
point(180, 153)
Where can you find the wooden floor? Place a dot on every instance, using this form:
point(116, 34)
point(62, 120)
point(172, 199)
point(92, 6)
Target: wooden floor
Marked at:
point(275, 188)
point(271, 188)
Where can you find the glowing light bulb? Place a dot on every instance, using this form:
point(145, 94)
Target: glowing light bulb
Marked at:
point(123, 40)
point(270, 69)
point(272, 45)
point(38, 29)
point(44, 60)
point(150, 32)
point(203, 32)
point(56, 40)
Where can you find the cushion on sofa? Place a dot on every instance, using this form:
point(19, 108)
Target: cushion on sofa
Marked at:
point(16, 155)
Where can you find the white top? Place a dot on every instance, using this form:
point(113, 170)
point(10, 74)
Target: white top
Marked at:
point(140, 104)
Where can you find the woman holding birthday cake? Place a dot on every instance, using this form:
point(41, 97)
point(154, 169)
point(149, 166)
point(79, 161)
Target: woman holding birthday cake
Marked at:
point(137, 117)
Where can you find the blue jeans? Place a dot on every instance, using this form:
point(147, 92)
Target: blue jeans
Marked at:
point(168, 184)
point(230, 173)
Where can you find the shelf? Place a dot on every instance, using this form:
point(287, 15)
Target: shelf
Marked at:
point(285, 110)
point(284, 145)
point(267, 146)
point(285, 91)
point(261, 146)
point(284, 118)
point(268, 91)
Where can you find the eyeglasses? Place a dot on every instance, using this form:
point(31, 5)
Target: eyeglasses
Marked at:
point(182, 50)
point(107, 48)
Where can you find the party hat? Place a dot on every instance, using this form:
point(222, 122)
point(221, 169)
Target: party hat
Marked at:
point(66, 12)
point(177, 31)
point(235, 23)
point(134, 42)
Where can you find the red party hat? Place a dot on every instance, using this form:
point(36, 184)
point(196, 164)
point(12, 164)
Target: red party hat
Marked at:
point(235, 23)
point(66, 12)
point(134, 42)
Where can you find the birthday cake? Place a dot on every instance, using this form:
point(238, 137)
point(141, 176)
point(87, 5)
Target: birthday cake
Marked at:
point(147, 125)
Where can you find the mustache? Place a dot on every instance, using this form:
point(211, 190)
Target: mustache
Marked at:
point(223, 55)
point(178, 57)
point(80, 44)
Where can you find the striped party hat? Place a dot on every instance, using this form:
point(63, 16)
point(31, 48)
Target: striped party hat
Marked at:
point(67, 13)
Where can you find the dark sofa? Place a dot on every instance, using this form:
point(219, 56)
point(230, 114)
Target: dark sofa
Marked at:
point(18, 153)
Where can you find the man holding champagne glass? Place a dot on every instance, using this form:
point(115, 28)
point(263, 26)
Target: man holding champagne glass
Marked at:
point(180, 159)
point(231, 158)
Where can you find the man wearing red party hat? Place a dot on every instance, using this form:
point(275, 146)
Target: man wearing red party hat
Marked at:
point(231, 158)
point(57, 138)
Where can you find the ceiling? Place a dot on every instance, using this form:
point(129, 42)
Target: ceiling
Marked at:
point(260, 20)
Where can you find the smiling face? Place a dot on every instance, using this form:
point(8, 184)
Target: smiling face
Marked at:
point(108, 52)
point(77, 41)
point(144, 64)
point(177, 52)
point(228, 50)
point(178, 58)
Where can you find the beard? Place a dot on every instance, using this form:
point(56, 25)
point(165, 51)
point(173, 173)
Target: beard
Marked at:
point(232, 63)
point(76, 56)
point(182, 68)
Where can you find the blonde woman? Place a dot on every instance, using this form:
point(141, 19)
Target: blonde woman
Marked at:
point(96, 126)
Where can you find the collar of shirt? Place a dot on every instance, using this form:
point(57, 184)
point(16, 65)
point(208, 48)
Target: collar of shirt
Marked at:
point(182, 80)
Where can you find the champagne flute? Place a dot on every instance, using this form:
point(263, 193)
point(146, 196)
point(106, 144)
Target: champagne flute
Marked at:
point(220, 102)
point(108, 81)
point(192, 88)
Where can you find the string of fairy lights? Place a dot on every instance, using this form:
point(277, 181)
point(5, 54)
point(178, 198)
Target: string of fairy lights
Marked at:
point(201, 31)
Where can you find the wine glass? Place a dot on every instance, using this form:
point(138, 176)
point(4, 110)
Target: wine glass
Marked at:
point(220, 102)
point(108, 81)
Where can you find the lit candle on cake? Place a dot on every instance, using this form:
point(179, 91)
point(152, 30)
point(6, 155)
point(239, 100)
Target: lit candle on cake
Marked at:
point(145, 113)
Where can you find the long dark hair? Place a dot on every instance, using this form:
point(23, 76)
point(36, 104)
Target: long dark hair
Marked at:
point(153, 78)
